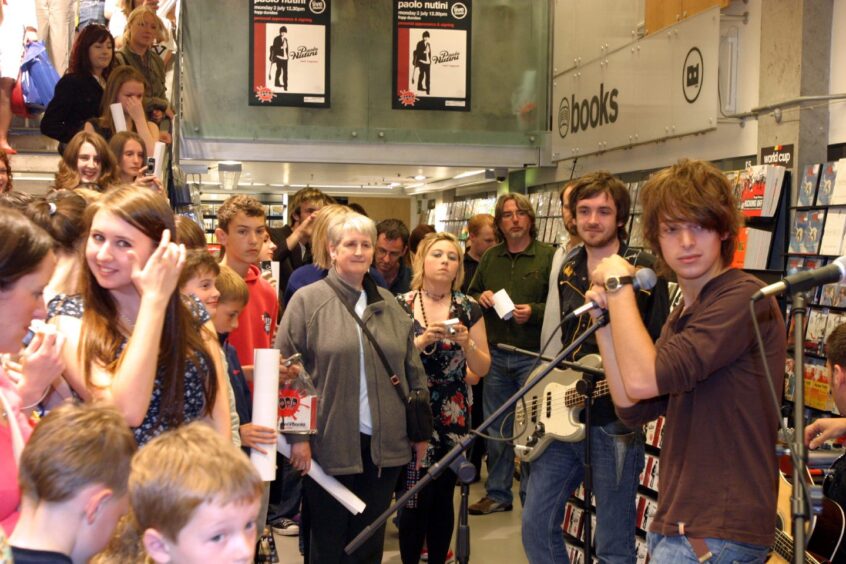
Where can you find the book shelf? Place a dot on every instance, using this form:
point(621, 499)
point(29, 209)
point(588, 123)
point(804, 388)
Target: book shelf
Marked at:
point(817, 238)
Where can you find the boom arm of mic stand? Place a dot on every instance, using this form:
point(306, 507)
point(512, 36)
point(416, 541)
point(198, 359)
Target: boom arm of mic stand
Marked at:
point(437, 469)
point(566, 363)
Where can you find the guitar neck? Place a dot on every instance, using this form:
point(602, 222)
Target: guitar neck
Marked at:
point(574, 398)
point(783, 547)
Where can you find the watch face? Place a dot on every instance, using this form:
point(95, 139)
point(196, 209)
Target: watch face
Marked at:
point(612, 284)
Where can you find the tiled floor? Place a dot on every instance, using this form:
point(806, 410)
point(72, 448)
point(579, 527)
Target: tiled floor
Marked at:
point(493, 538)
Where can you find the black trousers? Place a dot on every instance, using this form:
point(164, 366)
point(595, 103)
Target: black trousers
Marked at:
point(431, 521)
point(424, 72)
point(282, 67)
point(332, 526)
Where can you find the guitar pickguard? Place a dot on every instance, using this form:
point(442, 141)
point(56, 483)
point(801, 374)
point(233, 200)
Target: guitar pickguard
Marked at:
point(551, 411)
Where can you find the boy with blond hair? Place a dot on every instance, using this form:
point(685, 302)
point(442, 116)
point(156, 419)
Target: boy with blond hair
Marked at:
point(73, 476)
point(194, 498)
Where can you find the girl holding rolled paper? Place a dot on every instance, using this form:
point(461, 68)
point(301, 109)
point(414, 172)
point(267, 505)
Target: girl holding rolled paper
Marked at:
point(361, 438)
point(125, 87)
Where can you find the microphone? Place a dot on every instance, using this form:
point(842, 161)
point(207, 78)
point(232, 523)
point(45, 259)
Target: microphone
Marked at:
point(801, 281)
point(644, 279)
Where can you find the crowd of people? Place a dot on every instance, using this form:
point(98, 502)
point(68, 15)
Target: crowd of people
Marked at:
point(127, 62)
point(131, 345)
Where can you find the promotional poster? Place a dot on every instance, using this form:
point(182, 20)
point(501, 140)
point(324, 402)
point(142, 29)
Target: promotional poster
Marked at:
point(432, 54)
point(289, 53)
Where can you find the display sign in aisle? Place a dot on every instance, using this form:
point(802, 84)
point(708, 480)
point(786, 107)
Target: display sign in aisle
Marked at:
point(432, 54)
point(662, 86)
point(289, 53)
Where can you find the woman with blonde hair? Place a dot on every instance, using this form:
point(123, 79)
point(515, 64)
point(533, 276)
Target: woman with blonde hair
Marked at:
point(143, 30)
point(86, 162)
point(129, 312)
point(446, 351)
point(125, 86)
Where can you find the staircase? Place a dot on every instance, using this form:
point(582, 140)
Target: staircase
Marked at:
point(37, 161)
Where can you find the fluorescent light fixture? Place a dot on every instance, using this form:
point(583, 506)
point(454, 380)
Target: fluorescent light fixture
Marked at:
point(468, 173)
point(420, 177)
point(229, 172)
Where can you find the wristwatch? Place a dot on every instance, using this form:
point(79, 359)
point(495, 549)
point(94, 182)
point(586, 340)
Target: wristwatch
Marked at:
point(614, 283)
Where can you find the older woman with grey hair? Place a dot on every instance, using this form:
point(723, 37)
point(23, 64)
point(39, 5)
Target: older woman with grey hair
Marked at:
point(361, 434)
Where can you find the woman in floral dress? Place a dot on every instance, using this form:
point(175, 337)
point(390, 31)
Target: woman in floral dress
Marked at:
point(438, 272)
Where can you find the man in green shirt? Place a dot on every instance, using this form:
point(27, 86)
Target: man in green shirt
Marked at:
point(520, 265)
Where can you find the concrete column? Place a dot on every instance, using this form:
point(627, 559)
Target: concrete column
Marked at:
point(795, 52)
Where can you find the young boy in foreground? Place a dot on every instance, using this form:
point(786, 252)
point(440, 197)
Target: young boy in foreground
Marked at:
point(194, 498)
point(718, 465)
point(73, 476)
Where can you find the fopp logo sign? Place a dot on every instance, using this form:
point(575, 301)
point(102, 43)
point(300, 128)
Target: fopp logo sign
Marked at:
point(600, 109)
point(692, 74)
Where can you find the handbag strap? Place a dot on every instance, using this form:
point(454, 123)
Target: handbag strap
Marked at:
point(395, 381)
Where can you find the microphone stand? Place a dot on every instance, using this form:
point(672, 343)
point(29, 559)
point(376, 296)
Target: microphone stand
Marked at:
point(799, 505)
point(463, 543)
point(585, 387)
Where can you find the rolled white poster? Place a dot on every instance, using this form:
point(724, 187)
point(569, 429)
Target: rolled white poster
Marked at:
point(336, 489)
point(159, 153)
point(118, 117)
point(503, 305)
point(265, 405)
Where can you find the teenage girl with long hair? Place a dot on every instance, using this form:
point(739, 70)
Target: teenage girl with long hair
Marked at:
point(128, 312)
point(125, 85)
point(87, 162)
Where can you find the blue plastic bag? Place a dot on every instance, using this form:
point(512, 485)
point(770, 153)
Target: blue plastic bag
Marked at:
point(38, 77)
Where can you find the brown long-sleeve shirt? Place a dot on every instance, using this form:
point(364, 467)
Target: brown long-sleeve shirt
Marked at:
point(718, 464)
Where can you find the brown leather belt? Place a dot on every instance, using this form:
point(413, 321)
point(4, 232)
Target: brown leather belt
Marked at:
point(700, 549)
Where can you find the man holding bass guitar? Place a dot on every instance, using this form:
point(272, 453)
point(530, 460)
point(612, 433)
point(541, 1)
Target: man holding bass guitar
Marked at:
point(599, 204)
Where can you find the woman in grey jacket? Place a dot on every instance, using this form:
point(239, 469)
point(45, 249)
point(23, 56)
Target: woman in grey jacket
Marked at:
point(361, 436)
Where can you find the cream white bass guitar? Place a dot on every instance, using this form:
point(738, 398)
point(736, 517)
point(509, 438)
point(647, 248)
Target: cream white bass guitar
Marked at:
point(551, 410)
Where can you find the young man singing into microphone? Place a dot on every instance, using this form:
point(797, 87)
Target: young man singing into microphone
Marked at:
point(718, 466)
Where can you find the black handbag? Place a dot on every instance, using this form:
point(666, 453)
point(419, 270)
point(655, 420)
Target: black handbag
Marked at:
point(419, 422)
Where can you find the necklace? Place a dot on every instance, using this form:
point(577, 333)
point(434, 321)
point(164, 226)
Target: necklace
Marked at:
point(130, 325)
point(423, 309)
point(434, 297)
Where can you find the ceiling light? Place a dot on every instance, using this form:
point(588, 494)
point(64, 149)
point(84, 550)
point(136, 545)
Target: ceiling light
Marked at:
point(469, 173)
point(420, 177)
point(229, 172)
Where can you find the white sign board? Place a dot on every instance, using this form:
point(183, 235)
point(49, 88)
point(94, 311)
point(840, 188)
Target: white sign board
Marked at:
point(659, 87)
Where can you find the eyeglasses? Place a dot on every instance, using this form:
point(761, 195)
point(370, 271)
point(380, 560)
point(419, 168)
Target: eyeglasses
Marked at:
point(519, 213)
point(380, 252)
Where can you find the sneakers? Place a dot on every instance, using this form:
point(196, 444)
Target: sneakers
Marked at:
point(286, 527)
point(487, 505)
point(424, 556)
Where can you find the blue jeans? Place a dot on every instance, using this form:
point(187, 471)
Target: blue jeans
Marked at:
point(617, 460)
point(507, 374)
point(676, 549)
point(91, 12)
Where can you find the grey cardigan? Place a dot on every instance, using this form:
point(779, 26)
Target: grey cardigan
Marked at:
point(318, 325)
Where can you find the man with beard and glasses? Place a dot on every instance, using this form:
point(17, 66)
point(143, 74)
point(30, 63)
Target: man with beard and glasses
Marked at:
point(599, 204)
point(519, 265)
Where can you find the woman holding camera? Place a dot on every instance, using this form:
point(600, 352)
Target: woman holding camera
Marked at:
point(450, 337)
